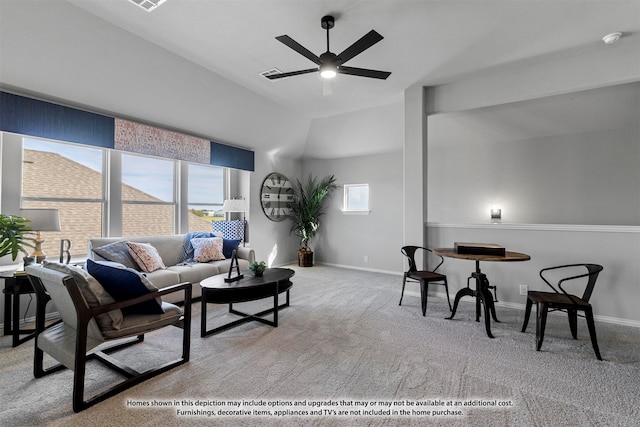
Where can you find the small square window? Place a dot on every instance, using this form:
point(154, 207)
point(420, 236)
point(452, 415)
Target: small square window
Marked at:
point(356, 198)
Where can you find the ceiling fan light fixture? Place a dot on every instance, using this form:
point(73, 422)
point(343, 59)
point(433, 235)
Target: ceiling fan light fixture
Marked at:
point(328, 71)
point(329, 64)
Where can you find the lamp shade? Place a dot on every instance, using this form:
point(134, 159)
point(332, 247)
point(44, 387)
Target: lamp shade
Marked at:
point(42, 219)
point(234, 205)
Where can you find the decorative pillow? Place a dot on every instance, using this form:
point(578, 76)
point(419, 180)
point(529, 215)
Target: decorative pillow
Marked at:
point(146, 256)
point(186, 252)
point(93, 292)
point(207, 249)
point(126, 283)
point(117, 252)
point(229, 245)
point(231, 229)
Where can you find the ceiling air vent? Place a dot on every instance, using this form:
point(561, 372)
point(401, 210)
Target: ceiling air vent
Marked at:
point(148, 5)
point(267, 73)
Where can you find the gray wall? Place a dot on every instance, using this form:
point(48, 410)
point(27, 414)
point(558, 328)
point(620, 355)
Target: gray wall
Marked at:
point(566, 159)
point(345, 239)
point(271, 240)
point(514, 120)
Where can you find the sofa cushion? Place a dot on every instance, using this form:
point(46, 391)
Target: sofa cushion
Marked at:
point(195, 272)
point(207, 249)
point(93, 292)
point(117, 252)
point(146, 256)
point(163, 278)
point(123, 284)
point(223, 266)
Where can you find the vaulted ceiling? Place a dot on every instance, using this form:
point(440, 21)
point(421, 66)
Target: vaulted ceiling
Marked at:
point(431, 41)
point(194, 65)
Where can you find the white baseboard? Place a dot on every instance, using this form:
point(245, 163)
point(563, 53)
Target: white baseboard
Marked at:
point(517, 306)
point(372, 270)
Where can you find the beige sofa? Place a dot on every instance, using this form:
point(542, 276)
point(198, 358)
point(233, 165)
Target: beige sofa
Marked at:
point(170, 249)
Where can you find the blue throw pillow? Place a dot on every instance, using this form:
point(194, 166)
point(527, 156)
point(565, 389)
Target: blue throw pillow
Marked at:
point(123, 284)
point(229, 245)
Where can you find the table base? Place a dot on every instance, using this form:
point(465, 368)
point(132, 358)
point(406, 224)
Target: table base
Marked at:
point(483, 296)
point(246, 317)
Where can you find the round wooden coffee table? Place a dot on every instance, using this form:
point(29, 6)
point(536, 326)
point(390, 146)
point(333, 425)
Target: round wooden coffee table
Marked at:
point(215, 290)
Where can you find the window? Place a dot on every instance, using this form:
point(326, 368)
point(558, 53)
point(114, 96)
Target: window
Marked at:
point(108, 192)
point(148, 196)
point(206, 196)
point(67, 177)
point(356, 198)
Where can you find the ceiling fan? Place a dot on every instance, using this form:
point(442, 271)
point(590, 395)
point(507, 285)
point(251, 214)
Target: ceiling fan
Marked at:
point(330, 64)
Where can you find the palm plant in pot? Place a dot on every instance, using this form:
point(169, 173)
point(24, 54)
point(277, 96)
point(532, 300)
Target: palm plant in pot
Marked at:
point(306, 210)
point(13, 235)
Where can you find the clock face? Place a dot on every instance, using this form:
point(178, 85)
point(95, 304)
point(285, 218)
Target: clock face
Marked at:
point(276, 196)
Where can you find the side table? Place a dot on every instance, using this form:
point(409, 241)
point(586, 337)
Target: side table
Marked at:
point(14, 286)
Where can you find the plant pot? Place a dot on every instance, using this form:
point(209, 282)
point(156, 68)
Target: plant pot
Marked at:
point(305, 258)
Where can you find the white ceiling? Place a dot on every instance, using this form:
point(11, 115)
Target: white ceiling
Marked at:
point(431, 42)
point(603, 109)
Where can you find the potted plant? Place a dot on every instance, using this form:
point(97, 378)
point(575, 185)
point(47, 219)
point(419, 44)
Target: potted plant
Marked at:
point(13, 239)
point(306, 210)
point(257, 268)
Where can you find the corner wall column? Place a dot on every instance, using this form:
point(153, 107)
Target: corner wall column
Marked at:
point(415, 166)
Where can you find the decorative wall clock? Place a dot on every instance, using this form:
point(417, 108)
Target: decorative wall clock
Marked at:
point(276, 196)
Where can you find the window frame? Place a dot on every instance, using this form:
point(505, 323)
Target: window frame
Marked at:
point(346, 206)
point(112, 202)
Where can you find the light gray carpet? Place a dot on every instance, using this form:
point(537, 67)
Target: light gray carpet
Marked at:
point(345, 338)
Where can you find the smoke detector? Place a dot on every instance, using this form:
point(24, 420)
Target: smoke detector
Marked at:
point(612, 38)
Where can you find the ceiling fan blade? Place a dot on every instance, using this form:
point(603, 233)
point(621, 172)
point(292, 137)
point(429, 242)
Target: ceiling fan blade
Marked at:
point(363, 72)
point(291, 73)
point(299, 48)
point(368, 40)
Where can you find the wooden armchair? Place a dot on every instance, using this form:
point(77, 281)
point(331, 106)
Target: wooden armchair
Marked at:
point(84, 328)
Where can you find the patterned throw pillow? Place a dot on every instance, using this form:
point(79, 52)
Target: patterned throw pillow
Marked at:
point(207, 249)
point(146, 256)
point(126, 283)
point(93, 292)
point(231, 229)
point(117, 252)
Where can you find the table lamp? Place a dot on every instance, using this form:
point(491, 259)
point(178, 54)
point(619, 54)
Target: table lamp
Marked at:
point(41, 220)
point(237, 205)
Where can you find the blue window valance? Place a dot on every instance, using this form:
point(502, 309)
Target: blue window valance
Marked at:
point(28, 116)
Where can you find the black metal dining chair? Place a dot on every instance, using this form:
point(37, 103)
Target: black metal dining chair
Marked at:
point(560, 299)
point(424, 277)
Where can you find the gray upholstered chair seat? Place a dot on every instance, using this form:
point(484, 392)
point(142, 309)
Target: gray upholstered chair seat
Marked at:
point(136, 324)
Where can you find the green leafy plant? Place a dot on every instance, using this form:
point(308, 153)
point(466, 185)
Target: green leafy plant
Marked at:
point(13, 235)
point(308, 206)
point(257, 267)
